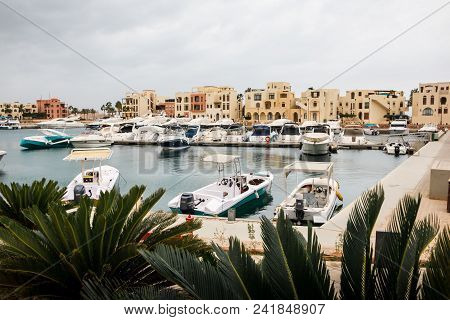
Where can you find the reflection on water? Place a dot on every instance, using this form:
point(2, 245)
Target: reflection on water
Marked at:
point(183, 171)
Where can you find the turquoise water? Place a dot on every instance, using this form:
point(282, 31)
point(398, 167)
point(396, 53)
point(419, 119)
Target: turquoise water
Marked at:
point(356, 170)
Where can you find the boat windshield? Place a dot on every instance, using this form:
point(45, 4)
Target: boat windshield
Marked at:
point(261, 131)
point(191, 132)
point(353, 132)
point(290, 131)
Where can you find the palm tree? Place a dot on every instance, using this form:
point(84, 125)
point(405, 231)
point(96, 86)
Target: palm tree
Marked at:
point(292, 268)
point(118, 106)
point(97, 242)
point(16, 198)
point(103, 108)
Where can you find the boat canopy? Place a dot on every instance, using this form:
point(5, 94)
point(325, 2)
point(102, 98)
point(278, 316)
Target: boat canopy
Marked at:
point(310, 167)
point(220, 158)
point(92, 154)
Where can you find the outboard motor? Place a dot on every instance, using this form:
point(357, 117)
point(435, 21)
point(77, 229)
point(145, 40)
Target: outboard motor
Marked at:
point(299, 207)
point(397, 150)
point(187, 203)
point(78, 192)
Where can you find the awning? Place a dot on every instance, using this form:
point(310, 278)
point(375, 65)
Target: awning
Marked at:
point(92, 154)
point(309, 167)
point(220, 158)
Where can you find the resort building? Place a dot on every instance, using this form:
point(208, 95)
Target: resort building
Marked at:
point(276, 101)
point(167, 106)
point(430, 104)
point(18, 110)
point(52, 108)
point(372, 106)
point(138, 104)
point(182, 104)
point(319, 105)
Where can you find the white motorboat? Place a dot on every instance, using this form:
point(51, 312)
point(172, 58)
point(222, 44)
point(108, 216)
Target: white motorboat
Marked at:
point(227, 192)
point(235, 134)
point(317, 139)
point(193, 133)
point(2, 154)
point(307, 124)
point(353, 135)
point(214, 134)
point(277, 125)
point(148, 133)
point(119, 132)
point(396, 145)
point(399, 127)
point(10, 124)
point(371, 129)
point(290, 133)
point(262, 134)
point(335, 126)
point(429, 127)
point(173, 138)
point(61, 123)
point(313, 199)
point(90, 139)
point(92, 181)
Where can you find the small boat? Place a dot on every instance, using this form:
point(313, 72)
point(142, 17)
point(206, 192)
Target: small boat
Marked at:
point(371, 129)
point(2, 154)
point(61, 123)
point(307, 124)
point(290, 133)
point(119, 132)
point(396, 145)
point(335, 126)
point(235, 134)
point(92, 181)
point(227, 192)
point(399, 127)
point(50, 139)
point(10, 124)
point(277, 125)
point(313, 199)
point(262, 134)
point(429, 127)
point(91, 139)
point(173, 138)
point(353, 135)
point(317, 139)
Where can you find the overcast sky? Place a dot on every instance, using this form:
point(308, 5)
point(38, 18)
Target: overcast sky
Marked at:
point(173, 46)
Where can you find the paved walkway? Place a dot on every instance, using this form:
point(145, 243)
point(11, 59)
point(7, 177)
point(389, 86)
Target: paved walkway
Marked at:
point(412, 176)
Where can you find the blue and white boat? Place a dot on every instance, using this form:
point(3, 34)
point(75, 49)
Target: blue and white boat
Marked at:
point(50, 139)
point(262, 133)
point(173, 138)
point(227, 192)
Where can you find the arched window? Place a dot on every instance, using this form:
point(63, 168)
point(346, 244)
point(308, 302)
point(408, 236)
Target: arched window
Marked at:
point(295, 117)
point(424, 101)
point(427, 112)
point(269, 116)
point(255, 116)
point(262, 117)
point(248, 116)
point(432, 100)
point(277, 116)
point(257, 105)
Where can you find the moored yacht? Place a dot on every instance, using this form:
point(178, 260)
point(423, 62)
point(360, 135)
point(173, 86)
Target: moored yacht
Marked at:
point(235, 134)
point(226, 193)
point(61, 123)
point(50, 139)
point(371, 129)
point(317, 139)
point(92, 181)
point(262, 133)
point(396, 145)
point(290, 133)
point(353, 135)
point(173, 138)
point(429, 127)
point(335, 125)
point(91, 139)
point(399, 127)
point(10, 124)
point(313, 199)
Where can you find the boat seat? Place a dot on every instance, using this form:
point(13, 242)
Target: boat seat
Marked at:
point(310, 200)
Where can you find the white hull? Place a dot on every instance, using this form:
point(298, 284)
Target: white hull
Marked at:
point(349, 140)
point(289, 138)
point(390, 149)
point(316, 148)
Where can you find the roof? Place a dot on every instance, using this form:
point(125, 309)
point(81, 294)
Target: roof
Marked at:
point(89, 154)
point(306, 166)
point(220, 158)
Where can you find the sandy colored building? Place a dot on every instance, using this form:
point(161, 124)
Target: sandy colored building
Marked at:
point(53, 108)
point(431, 104)
point(276, 101)
point(182, 104)
point(372, 106)
point(319, 105)
point(17, 110)
point(167, 106)
point(138, 104)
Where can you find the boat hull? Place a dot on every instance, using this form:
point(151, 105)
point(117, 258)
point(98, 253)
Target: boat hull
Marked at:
point(174, 144)
point(37, 145)
point(316, 149)
point(91, 144)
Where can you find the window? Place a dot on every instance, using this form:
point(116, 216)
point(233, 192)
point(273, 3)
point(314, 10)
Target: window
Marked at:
point(359, 93)
point(427, 112)
point(445, 110)
point(283, 105)
point(424, 100)
point(366, 105)
point(360, 105)
point(352, 96)
point(271, 96)
point(440, 111)
point(315, 94)
point(258, 105)
point(283, 95)
point(443, 100)
point(432, 100)
point(257, 96)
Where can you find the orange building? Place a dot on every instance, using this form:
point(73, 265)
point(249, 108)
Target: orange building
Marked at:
point(198, 102)
point(53, 108)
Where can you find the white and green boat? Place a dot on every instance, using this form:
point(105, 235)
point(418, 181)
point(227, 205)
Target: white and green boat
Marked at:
point(227, 192)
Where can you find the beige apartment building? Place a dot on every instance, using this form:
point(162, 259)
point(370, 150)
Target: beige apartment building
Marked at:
point(17, 110)
point(182, 104)
point(138, 104)
point(372, 106)
point(431, 104)
point(319, 105)
point(274, 102)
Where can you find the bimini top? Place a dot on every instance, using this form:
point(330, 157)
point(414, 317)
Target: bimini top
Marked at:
point(305, 166)
point(220, 158)
point(90, 154)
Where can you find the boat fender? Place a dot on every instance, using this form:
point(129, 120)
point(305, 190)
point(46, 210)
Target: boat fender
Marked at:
point(339, 195)
point(256, 194)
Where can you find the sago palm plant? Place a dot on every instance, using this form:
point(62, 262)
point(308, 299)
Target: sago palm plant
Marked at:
point(100, 240)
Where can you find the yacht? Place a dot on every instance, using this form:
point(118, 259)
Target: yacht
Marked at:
point(313, 199)
point(353, 135)
point(92, 181)
point(262, 134)
point(277, 125)
point(290, 133)
point(148, 133)
point(429, 127)
point(91, 139)
point(10, 124)
point(399, 127)
point(2, 154)
point(119, 132)
point(214, 134)
point(49, 139)
point(396, 145)
point(335, 126)
point(227, 192)
point(173, 138)
point(61, 123)
point(193, 132)
point(235, 134)
point(371, 129)
point(307, 124)
point(317, 139)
